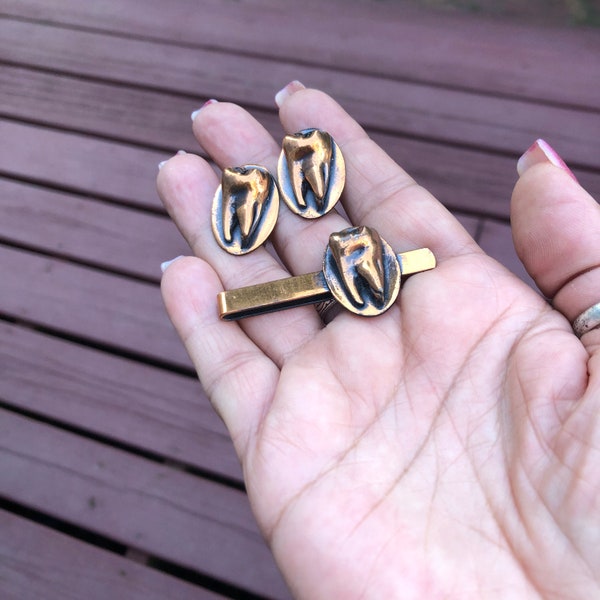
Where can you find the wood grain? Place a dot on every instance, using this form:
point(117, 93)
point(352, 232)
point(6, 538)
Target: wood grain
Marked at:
point(148, 409)
point(449, 116)
point(168, 514)
point(37, 562)
point(77, 227)
point(112, 310)
point(460, 51)
point(79, 163)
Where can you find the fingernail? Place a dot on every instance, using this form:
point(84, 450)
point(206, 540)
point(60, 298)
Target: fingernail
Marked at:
point(541, 152)
point(291, 88)
point(164, 266)
point(162, 163)
point(197, 112)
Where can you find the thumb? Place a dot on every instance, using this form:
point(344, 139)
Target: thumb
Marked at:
point(556, 232)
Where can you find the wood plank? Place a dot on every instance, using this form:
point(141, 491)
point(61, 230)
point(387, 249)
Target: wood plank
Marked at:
point(81, 163)
point(107, 236)
point(153, 410)
point(37, 562)
point(386, 39)
point(465, 180)
point(120, 113)
point(168, 514)
point(450, 116)
point(426, 111)
point(107, 309)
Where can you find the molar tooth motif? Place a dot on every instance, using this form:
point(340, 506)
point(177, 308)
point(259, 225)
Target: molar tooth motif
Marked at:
point(311, 172)
point(362, 270)
point(308, 157)
point(245, 208)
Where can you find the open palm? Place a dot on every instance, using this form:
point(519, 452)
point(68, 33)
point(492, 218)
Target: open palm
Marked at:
point(447, 448)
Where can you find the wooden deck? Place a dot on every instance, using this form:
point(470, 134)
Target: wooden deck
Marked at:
point(116, 478)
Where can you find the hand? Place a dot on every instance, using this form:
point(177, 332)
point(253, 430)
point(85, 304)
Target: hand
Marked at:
point(448, 448)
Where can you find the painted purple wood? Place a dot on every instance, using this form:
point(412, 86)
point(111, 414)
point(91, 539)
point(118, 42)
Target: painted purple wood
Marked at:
point(164, 512)
point(102, 308)
point(151, 409)
point(401, 107)
point(122, 113)
point(37, 562)
point(80, 163)
point(104, 235)
point(450, 116)
point(506, 58)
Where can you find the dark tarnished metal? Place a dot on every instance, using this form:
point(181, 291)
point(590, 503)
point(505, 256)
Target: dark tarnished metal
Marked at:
point(587, 321)
point(244, 209)
point(311, 173)
point(360, 271)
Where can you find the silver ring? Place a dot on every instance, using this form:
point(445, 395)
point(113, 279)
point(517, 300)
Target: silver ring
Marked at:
point(589, 319)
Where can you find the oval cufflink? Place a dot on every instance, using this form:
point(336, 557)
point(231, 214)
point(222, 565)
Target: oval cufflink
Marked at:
point(244, 209)
point(361, 271)
point(311, 173)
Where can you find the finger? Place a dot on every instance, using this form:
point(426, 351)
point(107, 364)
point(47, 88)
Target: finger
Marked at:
point(236, 375)
point(186, 185)
point(378, 192)
point(232, 137)
point(556, 230)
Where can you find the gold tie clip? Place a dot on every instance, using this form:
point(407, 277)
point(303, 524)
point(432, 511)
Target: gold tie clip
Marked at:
point(360, 271)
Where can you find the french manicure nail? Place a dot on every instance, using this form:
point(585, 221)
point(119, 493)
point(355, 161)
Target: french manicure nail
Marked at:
point(164, 266)
point(162, 163)
point(197, 112)
point(291, 88)
point(541, 152)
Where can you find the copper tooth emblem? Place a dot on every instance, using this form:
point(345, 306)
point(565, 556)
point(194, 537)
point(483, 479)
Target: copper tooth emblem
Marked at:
point(244, 209)
point(311, 173)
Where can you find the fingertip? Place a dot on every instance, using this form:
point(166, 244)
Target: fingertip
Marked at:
point(189, 287)
point(541, 152)
point(286, 92)
point(167, 263)
point(185, 184)
point(555, 225)
point(231, 136)
point(196, 112)
point(314, 108)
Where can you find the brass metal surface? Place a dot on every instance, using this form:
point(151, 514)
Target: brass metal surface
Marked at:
point(360, 271)
point(416, 261)
point(311, 172)
point(244, 209)
point(272, 296)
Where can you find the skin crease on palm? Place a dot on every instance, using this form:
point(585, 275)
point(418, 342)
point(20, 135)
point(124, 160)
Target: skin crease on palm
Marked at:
point(446, 449)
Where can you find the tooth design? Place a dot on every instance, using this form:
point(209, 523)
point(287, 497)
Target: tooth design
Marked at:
point(361, 270)
point(308, 157)
point(244, 194)
point(311, 172)
point(245, 208)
